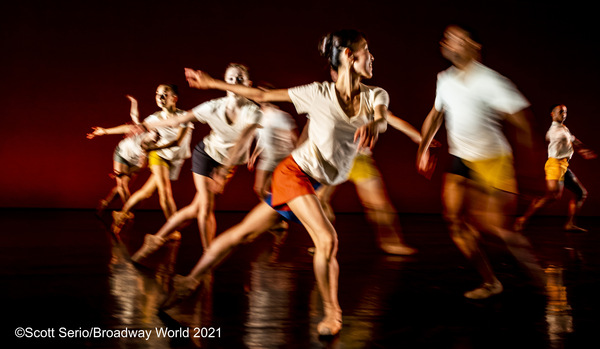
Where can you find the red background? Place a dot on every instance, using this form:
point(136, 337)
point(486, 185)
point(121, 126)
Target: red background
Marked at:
point(68, 66)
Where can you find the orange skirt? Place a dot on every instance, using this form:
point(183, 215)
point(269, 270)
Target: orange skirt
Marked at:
point(290, 182)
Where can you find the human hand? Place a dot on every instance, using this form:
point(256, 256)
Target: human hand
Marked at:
point(587, 154)
point(435, 144)
point(97, 131)
point(198, 79)
point(220, 178)
point(366, 135)
point(134, 113)
point(426, 163)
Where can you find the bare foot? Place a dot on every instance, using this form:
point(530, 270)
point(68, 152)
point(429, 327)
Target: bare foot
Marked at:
point(120, 218)
point(484, 291)
point(151, 244)
point(398, 249)
point(102, 205)
point(183, 287)
point(330, 326)
point(574, 228)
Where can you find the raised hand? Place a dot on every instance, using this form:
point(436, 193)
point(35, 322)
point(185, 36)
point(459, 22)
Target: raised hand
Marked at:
point(97, 131)
point(198, 79)
point(134, 112)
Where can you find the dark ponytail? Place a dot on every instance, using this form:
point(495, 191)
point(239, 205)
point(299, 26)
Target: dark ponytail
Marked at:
point(333, 44)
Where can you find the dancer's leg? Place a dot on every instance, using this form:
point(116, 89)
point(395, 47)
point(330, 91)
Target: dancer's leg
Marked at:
point(575, 204)
point(493, 220)
point(177, 221)
point(308, 210)
point(143, 193)
point(259, 220)
point(554, 190)
point(207, 224)
point(464, 235)
point(165, 193)
point(381, 212)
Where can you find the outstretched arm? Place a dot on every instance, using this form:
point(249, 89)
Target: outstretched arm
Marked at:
point(404, 127)
point(582, 150)
point(201, 80)
point(431, 125)
point(180, 135)
point(170, 122)
point(101, 131)
point(122, 129)
point(519, 121)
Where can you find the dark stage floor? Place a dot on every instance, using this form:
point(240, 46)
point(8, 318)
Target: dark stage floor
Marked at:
point(63, 275)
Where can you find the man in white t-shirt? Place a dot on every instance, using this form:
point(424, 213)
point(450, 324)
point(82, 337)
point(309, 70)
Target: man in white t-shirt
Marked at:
point(473, 100)
point(562, 144)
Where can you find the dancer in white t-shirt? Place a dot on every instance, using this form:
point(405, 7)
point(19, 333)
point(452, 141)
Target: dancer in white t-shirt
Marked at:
point(562, 144)
point(276, 139)
point(129, 156)
point(372, 193)
point(233, 120)
point(346, 116)
point(480, 185)
point(165, 158)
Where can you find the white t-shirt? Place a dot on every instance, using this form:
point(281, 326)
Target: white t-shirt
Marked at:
point(474, 103)
point(561, 141)
point(176, 154)
point(130, 150)
point(328, 153)
point(275, 138)
point(169, 134)
point(224, 135)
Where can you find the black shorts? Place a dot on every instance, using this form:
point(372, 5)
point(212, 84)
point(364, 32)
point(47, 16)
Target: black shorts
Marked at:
point(202, 163)
point(573, 184)
point(458, 167)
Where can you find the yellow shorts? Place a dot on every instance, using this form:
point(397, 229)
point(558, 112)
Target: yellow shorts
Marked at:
point(556, 169)
point(154, 159)
point(363, 169)
point(497, 173)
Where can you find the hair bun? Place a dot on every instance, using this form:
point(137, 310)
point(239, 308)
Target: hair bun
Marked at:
point(325, 45)
point(332, 44)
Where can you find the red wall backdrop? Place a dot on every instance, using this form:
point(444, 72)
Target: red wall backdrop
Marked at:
point(68, 66)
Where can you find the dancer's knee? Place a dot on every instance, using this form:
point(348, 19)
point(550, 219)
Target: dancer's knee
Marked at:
point(553, 196)
point(204, 210)
point(581, 194)
point(327, 244)
point(453, 219)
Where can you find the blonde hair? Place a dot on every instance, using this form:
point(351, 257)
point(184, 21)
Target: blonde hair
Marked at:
point(239, 66)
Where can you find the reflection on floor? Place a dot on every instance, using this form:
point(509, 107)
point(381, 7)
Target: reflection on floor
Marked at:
point(69, 283)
